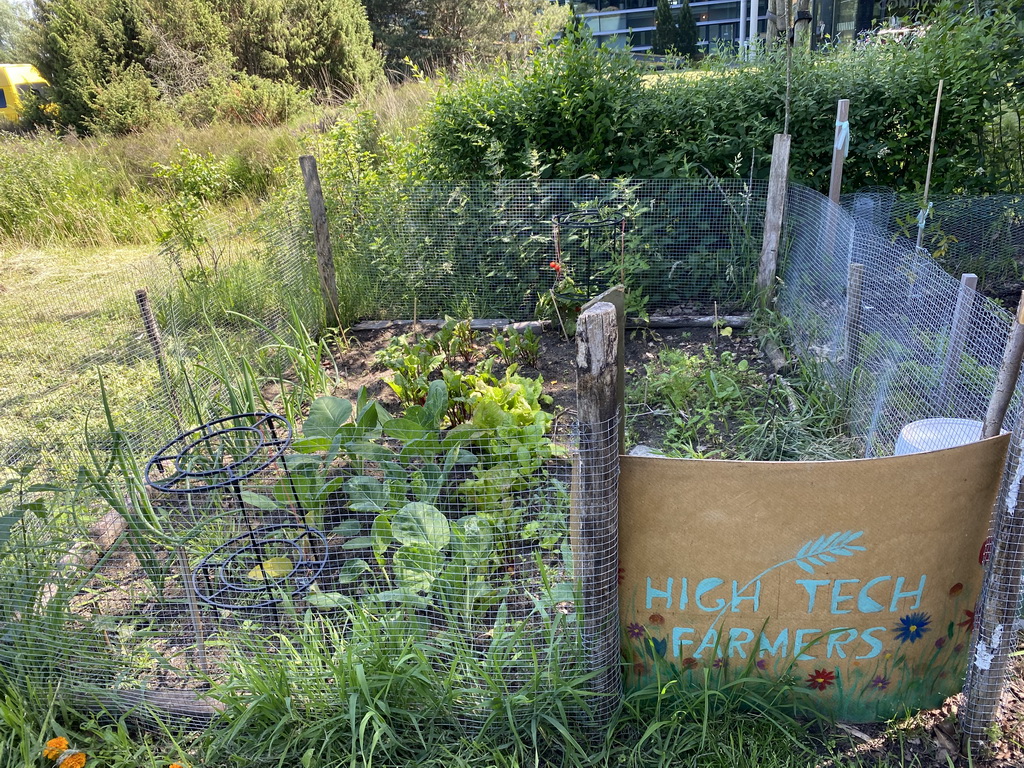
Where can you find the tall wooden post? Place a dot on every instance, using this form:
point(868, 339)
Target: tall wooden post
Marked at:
point(839, 145)
point(776, 206)
point(957, 336)
point(322, 237)
point(156, 344)
point(594, 516)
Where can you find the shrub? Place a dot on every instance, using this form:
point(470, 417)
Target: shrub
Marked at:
point(244, 99)
point(127, 103)
point(569, 112)
point(580, 109)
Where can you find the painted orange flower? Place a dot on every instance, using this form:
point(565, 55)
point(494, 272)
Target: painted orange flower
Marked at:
point(55, 748)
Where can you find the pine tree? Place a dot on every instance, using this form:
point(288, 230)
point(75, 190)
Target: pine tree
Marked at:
point(687, 32)
point(666, 31)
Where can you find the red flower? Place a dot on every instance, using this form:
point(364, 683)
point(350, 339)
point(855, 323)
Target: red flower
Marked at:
point(690, 663)
point(986, 550)
point(821, 679)
point(956, 589)
point(656, 618)
point(555, 266)
point(621, 574)
point(968, 622)
point(639, 668)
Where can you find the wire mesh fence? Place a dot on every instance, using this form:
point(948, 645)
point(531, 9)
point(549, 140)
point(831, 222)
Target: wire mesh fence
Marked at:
point(918, 353)
point(486, 249)
point(255, 551)
point(464, 544)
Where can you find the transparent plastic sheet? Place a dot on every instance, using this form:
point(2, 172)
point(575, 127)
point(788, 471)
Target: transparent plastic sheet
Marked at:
point(925, 348)
point(254, 554)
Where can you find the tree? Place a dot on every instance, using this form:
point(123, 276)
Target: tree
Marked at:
point(666, 30)
point(674, 34)
point(688, 34)
point(329, 45)
point(434, 34)
point(12, 26)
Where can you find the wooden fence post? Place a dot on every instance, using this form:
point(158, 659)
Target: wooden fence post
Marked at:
point(594, 514)
point(839, 149)
point(322, 237)
point(957, 335)
point(854, 317)
point(995, 633)
point(616, 296)
point(774, 210)
point(156, 343)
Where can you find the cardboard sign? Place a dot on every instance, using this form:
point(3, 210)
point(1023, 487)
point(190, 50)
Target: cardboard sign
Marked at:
point(852, 581)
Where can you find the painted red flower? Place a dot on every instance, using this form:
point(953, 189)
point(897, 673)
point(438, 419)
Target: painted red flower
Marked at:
point(969, 621)
point(821, 679)
point(986, 550)
point(639, 668)
point(956, 589)
point(621, 573)
point(690, 663)
point(656, 618)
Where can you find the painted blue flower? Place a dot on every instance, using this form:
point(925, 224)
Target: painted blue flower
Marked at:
point(912, 626)
point(659, 646)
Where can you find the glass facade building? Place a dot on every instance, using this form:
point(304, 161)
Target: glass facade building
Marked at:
point(726, 24)
point(630, 23)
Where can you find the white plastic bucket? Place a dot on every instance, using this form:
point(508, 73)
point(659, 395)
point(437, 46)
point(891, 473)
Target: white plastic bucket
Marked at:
point(933, 434)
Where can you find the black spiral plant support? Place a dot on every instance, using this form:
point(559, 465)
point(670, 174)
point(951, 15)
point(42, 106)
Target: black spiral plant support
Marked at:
point(267, 562)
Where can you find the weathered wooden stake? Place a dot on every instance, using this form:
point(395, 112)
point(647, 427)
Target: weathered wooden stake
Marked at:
point(322, 237)
point(854, 317)
point(774, 210)
point(152, 330)
point(838, 150)
point(1006, 380)
point(957, 335)
point(594, 514)
point(616, 296)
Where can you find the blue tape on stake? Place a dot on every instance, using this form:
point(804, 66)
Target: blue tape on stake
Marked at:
point(843, 137)
point(922, 216)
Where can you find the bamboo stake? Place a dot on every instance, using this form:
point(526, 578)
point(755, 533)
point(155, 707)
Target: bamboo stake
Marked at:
point(928, 175)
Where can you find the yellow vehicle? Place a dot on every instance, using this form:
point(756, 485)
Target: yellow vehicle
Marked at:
point(16, 82)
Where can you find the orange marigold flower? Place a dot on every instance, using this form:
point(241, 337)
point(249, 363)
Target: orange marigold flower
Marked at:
point(176, 765)
point(55, 748)
point(74, 760)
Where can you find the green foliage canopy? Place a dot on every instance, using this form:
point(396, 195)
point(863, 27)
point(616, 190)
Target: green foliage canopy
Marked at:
point(576, 108)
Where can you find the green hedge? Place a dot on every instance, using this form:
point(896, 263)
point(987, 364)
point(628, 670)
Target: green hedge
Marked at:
point(576, 108)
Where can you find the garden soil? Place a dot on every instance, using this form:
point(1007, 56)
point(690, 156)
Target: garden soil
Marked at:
point(927, 739)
